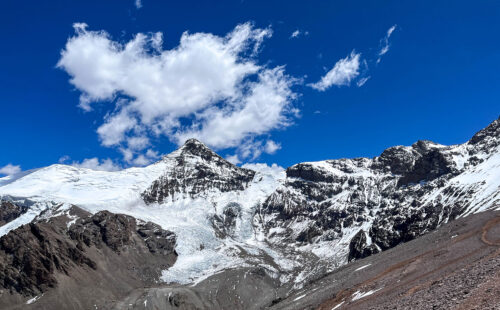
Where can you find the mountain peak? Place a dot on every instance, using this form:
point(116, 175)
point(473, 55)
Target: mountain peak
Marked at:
point(193, 142)
point(492, 130)
point(194, 169)
point(197, 148)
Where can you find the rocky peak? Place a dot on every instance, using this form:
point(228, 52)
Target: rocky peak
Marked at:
point(492, 131)
point(193, 170)
point(487, 139)
point(195, 147)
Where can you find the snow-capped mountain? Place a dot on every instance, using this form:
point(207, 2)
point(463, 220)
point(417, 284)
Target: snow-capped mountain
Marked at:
point(351, 208)
point(295, 224)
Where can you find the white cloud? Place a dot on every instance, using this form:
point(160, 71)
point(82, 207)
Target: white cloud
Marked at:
point(64, 159)
point(271, 147)
point(385, 43)
point(145, 159)
point(208, 87)
point(261, 110)
point(112, 132)
point(233, 159)
point(274, 169)
point(96, 164)
point(251, 149)
point(137, 143)
point(141, 160)
point(344, 71)
point(10, 169)
point(138, 4)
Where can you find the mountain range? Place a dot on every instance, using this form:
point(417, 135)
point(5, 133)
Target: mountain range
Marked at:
point(194, 231)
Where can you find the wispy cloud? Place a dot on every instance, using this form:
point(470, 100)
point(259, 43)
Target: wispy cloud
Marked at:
point(353, 68)
point(297, 33)
point(342, 73)
point(92, 163)
point(138, 4)
point(362, 81)
point(384, 43)
point(208, 87)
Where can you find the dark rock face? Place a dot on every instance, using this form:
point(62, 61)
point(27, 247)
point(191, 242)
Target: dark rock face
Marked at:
point(427, 167)
point(308, 173)
point(194, 170)
point(32, 255)
point(358, 247)
point(487, 134)
point(397, 159)
point(116, 231)
point(157, 239)
point(224, 224)
point(104, 228)
point(10, 211)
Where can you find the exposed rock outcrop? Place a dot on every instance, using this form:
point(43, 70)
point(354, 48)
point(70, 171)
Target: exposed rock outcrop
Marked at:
point(34, 255)
point(9, 211)
point(195, 169)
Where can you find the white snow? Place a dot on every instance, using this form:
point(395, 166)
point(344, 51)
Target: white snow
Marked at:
point(338, 306)
point(25, 218)
point(362, 267)
point(34, 299)
point(84, 187)
point(358, 295)
point(300, 297)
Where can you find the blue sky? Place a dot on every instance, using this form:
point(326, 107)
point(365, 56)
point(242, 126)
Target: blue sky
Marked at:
point(438, 79)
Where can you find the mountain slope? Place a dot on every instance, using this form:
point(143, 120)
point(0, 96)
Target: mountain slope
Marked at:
point(287, 227)
point(351, 208)
point(454, 267)
point(74, 259)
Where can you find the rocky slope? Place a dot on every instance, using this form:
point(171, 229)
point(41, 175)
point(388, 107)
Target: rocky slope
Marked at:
point(9, 211)
point(250, 231)
point(68, 244)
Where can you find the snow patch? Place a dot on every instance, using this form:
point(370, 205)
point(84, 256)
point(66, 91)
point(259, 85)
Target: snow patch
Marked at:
point(362, 267)
point(358, 295)
point(33, 300)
